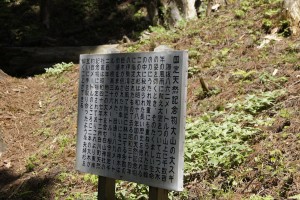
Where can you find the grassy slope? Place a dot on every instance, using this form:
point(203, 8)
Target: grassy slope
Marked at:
point(223, 51)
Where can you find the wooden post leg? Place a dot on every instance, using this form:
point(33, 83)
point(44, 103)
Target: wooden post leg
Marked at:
point(106, 188)
point(157, 193)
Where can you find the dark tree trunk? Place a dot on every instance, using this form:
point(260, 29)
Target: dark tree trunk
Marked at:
point(153, 11)
point(169, 12)
point(45, 13)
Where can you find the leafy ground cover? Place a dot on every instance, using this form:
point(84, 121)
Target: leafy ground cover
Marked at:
point(243, 131)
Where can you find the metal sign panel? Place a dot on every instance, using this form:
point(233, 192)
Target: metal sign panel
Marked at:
point(131, 117)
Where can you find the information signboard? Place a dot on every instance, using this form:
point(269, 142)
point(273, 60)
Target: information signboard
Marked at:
point(131, 117)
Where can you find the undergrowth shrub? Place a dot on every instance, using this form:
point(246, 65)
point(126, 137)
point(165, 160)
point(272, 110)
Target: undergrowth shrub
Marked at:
point(131, 190)
point(58, 69)
point(220, 140)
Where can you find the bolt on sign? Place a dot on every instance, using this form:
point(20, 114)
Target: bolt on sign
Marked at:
point(131, 117)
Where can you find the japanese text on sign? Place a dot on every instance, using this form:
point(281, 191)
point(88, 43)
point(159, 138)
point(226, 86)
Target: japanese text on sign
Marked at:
point(131, 117)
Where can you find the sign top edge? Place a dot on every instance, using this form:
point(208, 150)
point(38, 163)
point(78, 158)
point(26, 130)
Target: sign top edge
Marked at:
point(142, 52)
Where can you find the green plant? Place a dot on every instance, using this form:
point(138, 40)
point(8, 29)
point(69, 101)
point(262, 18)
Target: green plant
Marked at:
point(183, 195)
point(290, 58)
point(62, 176)
point(275, 156)
point(243, 75)
point(93, 179)
point(194, 54)
point(219, 145)
point(58, 68)
point(272, 12)
point(245, 5)
point(254, 104)
point(157, 29)
point(45, 153)
point(181, 24)
point(139, 15)
point(129, 190)
point(219, 140)
point(31, 163)
point(268, 79)
point(257, 197)
point(224, 52)
point(193, 71)
point(239, 14)
point(285, 29)
point(295, 197)
point(64, 140)
point(267, 24)
point(201, 94)
point(271, 163)
point(61, 192)
point(285, 113)
point(133, 48)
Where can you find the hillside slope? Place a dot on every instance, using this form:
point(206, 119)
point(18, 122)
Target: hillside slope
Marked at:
point(243, 133)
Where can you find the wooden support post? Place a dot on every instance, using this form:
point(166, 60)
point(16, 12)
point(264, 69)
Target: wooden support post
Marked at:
point(106, 188)
point(157, 193)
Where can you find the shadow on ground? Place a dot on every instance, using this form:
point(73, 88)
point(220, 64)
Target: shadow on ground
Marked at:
point(17, 187)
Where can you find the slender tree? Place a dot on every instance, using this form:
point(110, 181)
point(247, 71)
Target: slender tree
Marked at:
point(292, 11)
point(170, 11)
point(45, 13)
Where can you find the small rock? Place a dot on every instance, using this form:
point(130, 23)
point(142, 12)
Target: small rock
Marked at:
point(215, 7)
point(161, 48)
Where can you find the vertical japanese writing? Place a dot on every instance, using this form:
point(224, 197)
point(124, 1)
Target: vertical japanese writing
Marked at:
point(130, 115)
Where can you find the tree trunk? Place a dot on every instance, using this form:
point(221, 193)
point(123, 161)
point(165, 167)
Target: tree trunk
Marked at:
point(45, 13)
point(292, 11)
point(189, 9)
point(208, 9)
point(170, 12)
point(153, 11)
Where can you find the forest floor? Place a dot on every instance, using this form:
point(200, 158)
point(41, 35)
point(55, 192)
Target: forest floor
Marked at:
point(38, 115)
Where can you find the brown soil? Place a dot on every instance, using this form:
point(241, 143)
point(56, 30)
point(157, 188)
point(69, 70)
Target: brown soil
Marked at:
point(26, 128)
